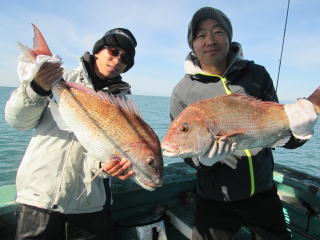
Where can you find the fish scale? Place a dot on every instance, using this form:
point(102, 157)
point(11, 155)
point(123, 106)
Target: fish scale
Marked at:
point(258, 123)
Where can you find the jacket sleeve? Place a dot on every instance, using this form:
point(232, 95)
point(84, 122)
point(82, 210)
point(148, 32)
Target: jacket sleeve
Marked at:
point(269, 94)
point(24, 109)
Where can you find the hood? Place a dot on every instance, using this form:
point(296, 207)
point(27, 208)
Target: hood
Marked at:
point(192, 64)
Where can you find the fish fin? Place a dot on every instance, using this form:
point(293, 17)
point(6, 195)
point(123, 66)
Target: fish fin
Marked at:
point(81, 88)
point(252, 100)
point(57, 116)
point(89, 155)
point(120, 102)
point(40, 46)
point(281, 142)
point(230, 135)
point(26, 51)
point(210, 126)
point(315, 99)
point(99, 171)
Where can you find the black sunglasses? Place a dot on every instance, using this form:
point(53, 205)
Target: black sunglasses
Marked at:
point(115, 53)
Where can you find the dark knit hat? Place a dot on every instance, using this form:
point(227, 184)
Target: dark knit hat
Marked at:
point(118, 37)
point(204, 13)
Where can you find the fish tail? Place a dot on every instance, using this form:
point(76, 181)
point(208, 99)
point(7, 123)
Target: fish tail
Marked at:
point(100, 170)
point(27, 52)
point(40, 46)
point(315, 99)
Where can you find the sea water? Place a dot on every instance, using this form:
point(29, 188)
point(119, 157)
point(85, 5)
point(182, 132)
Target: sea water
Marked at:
point(155, 111)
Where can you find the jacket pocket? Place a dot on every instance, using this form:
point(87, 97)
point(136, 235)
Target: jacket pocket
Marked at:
point(93, 197)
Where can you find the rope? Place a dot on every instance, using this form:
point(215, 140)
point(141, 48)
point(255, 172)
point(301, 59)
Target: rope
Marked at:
point(284, 34)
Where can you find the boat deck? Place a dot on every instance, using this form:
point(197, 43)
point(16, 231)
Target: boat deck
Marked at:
point(298, 191)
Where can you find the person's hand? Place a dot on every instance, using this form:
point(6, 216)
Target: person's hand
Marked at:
point(302, 118)
point(117, 168)
point(221, 149)
point(47, 74)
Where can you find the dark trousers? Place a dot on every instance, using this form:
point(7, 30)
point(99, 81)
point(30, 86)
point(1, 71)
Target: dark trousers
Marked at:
point(262, 213)
point(36, 223)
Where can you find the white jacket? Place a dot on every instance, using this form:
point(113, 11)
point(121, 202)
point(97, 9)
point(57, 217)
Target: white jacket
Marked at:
point(54, 170)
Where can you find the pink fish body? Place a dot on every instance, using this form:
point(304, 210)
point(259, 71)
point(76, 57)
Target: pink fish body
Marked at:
point(247, 121)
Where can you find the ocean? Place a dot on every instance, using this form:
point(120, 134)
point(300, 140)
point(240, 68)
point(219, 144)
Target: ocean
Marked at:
point(155, 111)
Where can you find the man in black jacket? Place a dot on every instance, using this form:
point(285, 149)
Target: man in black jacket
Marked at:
point(235, 188)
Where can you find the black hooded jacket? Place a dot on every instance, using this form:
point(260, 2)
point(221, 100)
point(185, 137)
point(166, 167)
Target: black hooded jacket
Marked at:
point(245, 172)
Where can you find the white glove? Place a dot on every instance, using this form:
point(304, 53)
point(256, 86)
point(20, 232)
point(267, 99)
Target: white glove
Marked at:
point(218, 151)
point(28, 67)
point(302, 118)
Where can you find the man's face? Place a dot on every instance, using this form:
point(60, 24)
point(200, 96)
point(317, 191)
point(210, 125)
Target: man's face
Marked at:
point(108, 66)
point(211, 43)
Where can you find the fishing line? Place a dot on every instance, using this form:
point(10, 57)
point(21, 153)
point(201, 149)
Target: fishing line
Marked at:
point(284, 34)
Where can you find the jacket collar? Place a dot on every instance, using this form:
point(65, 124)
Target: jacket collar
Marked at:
point(235, 57)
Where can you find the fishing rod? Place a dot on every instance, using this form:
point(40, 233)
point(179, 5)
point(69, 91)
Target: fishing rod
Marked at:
point(284, 34)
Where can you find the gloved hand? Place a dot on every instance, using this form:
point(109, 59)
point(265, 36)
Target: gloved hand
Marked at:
point(28, 67)
point(302, 118)
point(218, 151)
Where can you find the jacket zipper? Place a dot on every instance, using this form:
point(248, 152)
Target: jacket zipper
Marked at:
point(226, 86)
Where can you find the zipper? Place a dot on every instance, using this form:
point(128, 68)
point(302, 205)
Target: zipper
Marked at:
point(223, 80)
point(226, 85)
point(228, 91)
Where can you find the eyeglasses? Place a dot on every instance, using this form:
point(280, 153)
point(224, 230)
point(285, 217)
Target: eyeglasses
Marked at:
point(115, 53)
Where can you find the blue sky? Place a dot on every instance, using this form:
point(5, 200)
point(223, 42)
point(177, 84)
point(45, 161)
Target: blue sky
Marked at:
point(72, 27)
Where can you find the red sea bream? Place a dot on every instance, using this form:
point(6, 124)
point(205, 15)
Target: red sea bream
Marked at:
point(247, 121)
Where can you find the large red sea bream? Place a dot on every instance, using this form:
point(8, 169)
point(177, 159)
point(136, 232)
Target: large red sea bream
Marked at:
point(247, 121)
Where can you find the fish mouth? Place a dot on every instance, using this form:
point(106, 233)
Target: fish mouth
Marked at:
point(152, 184)
point(179, 152)
point(169, 151)
point(147, 183)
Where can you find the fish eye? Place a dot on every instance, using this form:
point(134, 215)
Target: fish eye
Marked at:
point(150, 161)
point(184, 128)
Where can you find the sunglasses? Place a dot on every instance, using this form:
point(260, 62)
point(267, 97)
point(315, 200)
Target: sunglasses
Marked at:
point(115, 53)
